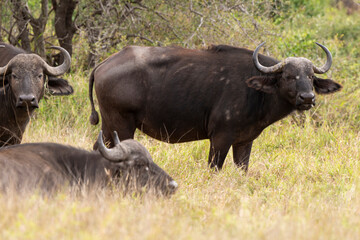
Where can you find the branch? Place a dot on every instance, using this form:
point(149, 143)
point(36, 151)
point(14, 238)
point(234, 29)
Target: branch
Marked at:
point(193, 11)
point(197, 29)
point(144, 38)
point(242, 29)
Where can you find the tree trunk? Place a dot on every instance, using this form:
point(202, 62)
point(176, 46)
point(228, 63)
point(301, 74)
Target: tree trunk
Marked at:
point(351, 6)
point(22, 20)
point(1, 4)
point(64, 24)
point(38, 25)
point(23, 16)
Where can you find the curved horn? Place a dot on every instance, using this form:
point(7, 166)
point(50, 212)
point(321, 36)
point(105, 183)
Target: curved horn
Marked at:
point(53, 71)
point(262, 68)
point(116, 138)
point(116, 154)
point(328, 63)
point(4, 69)
point(59, 70)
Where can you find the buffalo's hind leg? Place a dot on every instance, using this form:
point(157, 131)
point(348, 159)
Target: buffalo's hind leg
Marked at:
point(106, 136)
point(123, 127)
point(241, 154)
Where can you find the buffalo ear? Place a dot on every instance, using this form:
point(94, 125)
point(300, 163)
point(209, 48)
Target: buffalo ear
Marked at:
point(262, 83)
point(4, 80)
point(326, 86)
point(59, 86)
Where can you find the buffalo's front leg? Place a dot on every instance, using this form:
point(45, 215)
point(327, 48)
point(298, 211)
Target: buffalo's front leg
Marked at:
point(219, 147)
point(241, 154)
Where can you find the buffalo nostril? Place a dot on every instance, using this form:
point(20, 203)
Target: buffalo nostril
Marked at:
point(307, 98)
point(27, 100)
point(307, 95)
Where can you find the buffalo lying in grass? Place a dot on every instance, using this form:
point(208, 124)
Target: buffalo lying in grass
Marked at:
point(223, 94)
point(50, 166)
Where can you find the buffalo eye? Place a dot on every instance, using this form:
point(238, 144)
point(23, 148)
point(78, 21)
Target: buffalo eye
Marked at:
point(14, 76)
point(40, 75)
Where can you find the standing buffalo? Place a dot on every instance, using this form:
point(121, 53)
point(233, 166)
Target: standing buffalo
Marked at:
point(50, 166)
point(223, 94)
point(22, 86)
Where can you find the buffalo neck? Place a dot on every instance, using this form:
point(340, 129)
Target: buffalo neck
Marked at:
point(272, 108)
point(277, 107)
point(13, 121)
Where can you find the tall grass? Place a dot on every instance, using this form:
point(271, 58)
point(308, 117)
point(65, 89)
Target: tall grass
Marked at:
point(303, 180)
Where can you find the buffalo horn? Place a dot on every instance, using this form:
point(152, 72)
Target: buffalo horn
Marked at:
point(328, 63)
point(115, 154)
point(59, 70)
point(262, 68)
point(3, 69)
point(53, 71)
point(116, 138)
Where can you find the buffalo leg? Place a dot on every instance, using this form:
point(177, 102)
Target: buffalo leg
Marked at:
point(242, 155)
point(125, 131)
point(106, 135)
point(124, 127)
point(219, 147)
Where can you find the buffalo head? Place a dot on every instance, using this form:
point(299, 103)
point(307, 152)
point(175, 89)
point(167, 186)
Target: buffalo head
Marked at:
point(294, 79)
point(134, 167)
point(25, 74)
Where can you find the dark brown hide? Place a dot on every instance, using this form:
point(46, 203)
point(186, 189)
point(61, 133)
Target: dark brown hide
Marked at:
point(180, 95)
point(49, 167)
point(23, 76)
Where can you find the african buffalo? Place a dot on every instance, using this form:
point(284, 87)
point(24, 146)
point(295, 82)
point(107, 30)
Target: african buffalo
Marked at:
point(223, 94)
point(22, 86)
point(50, 166)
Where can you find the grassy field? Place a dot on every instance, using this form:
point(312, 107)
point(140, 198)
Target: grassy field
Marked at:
point(303, 180)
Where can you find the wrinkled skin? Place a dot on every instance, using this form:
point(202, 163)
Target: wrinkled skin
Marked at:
point(49, 167)
point(22, 86)
point(180, 95)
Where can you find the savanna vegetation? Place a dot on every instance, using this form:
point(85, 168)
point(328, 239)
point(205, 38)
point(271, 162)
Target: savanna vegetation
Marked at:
point(304, 175)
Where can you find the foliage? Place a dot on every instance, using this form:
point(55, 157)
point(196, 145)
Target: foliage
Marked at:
point(186, 23)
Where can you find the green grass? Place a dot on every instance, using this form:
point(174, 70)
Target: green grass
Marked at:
point(303, 179)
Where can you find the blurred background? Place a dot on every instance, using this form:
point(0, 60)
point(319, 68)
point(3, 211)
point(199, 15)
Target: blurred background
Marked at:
point(91, 30)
